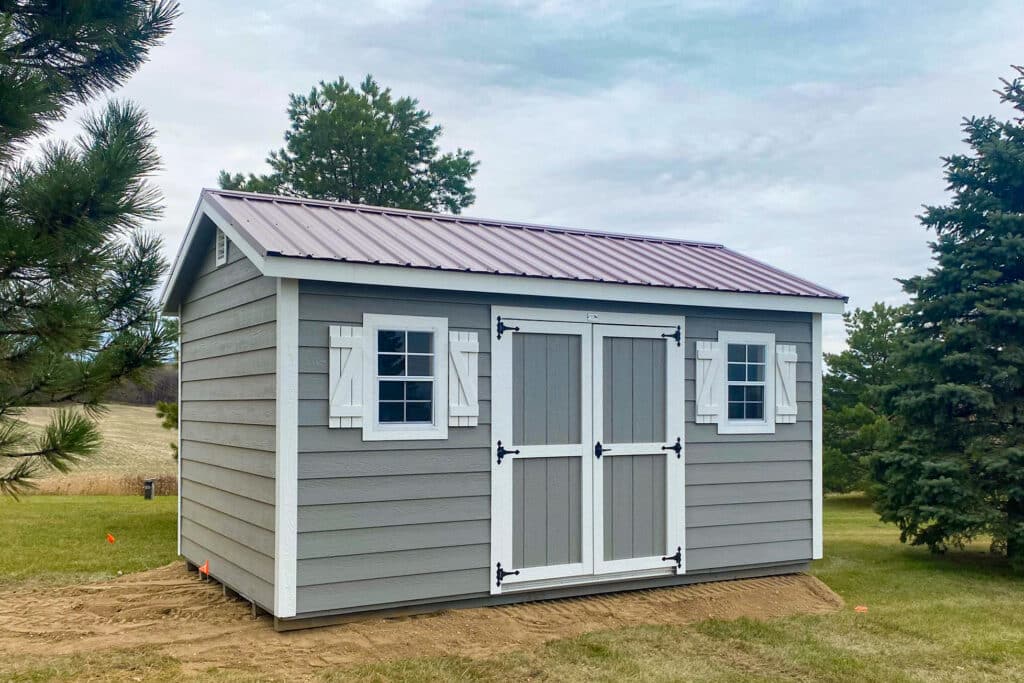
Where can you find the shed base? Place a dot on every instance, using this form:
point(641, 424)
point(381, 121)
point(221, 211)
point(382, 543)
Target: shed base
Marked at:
point(391, 611)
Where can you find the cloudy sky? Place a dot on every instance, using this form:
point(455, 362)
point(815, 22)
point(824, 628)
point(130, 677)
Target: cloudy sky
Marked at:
point(807, 135)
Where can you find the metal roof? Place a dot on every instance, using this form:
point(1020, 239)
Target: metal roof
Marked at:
point(334, 231)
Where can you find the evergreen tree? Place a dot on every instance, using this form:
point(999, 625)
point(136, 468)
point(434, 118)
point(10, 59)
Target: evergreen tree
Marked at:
point(364, 147)
point(958, 471)
point(855, 425)
point(77, 276)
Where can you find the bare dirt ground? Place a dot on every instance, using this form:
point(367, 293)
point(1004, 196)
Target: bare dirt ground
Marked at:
point(184, 617)
point(135, 447)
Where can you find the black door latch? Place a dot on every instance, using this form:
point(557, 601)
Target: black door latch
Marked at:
point(677, 558)
point(599, 449)
point(677, 447)
point(502, 452)
point(677, 335)
point(500, 574)
point(502, 327)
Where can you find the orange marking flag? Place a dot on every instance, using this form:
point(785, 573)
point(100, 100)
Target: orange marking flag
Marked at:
point(110, 538)
point(205, 568)
point(860, 608)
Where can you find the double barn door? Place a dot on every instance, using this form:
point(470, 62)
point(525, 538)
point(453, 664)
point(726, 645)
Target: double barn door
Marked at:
point(588, 477)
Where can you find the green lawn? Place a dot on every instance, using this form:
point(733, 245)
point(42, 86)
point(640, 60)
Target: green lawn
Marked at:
point(63, 539)
point(953, 618)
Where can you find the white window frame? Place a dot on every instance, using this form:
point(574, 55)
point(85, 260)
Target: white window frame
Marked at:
point(373, 429)
point(766, 425)
point(221, 248)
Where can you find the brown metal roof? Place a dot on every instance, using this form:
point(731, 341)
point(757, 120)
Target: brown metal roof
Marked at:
point(331, 231)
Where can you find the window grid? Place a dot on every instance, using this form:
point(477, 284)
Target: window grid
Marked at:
point(405, 377)
point(746, 368)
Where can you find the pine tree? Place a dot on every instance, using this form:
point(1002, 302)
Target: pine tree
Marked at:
point(958, 472)
point(77, 274)
point(366, 147)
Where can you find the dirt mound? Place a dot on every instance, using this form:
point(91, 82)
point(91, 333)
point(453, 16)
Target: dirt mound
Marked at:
point(193, 621)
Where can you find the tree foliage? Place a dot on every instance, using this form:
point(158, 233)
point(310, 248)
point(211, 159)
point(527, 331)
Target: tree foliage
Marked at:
point(957, 472)
point(366, 147)
point(77, 274)
point(855, 425)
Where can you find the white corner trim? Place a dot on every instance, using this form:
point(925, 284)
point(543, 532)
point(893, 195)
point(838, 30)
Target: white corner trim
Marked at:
point(766, 426)
point(817, 532)
point(372, 429)
point(179, 430)
point(287, 442)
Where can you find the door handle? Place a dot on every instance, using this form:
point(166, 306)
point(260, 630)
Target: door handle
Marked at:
point(599, 449)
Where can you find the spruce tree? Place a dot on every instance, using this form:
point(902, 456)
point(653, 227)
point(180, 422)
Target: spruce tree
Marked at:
point(77, 273)
point(958, 471)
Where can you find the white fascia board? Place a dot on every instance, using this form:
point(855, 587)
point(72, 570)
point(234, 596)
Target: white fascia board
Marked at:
point(401, 276)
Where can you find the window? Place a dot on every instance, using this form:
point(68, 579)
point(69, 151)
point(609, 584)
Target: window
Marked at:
point(406, 369)
point(749, 379)
point(222, 248)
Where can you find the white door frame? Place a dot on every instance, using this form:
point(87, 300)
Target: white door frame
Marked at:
point(574, 322)
point(675, 470)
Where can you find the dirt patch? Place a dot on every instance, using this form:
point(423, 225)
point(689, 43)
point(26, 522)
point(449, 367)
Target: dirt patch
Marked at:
point(191, 620)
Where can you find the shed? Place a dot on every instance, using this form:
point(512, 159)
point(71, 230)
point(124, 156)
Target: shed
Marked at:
point(387, 410)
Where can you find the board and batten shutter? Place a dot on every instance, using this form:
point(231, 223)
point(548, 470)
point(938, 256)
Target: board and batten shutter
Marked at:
point(345, 364)
point(463, 371)
point(785, 384)
point(710, 384)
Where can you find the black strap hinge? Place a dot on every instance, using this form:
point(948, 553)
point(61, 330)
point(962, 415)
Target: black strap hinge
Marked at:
point(677, 447)
point(503, 328)
point(677, 335)
point(502, 452)
point(677, 558)
point(500, 575)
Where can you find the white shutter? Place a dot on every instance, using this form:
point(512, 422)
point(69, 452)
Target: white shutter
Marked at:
point(710, 382)
point(785, 384)
point(345, 365)
point(463, 370)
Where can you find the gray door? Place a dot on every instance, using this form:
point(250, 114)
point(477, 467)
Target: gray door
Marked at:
point(638, 422)
point(542, 416)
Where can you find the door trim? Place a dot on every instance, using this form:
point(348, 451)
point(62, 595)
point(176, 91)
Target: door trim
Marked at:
point(675, 468)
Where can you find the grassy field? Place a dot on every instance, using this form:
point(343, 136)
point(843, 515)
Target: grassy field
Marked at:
point(951, 618)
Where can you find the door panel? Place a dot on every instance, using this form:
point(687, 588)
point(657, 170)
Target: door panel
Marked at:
point(546, 389)
point(634, 506)
point(634, 389)
point(546, 512)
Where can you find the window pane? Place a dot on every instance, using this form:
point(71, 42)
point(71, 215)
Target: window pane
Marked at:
point(736, 411)
point(418, 412)
point(755, 373)
point(737, 353)
point(390, 412)
point(755, 353)
point(420, 366)
point(419, 391)
point(736, 372)
point(390, 340)
point(390, 364)
point(421, 342)
point(754, 394)
point(735, 394)
point(755, 411)
point(392, 391)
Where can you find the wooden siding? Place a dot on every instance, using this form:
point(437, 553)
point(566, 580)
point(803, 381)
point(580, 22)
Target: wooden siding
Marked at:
point(227, 429)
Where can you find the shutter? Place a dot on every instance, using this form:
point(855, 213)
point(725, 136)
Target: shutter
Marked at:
point(345, 365)
point(710, 382)
point(785, 384)
point(463, 371)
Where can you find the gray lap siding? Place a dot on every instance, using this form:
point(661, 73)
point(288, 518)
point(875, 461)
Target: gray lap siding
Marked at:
point(228, 362)
point(396, 523)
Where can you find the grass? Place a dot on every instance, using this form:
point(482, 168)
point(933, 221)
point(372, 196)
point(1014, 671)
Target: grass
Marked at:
point(63, 539)
point(957, 617)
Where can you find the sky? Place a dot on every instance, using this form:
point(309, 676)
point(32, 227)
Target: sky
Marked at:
point(804, 133)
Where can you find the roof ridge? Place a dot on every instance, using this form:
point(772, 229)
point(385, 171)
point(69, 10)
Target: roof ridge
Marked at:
point(384, 210)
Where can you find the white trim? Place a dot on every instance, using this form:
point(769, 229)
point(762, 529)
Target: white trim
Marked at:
point(179, 428)
point(675, 425)
point(287, 442)
point(373, 430)
point(817, 533)
point(767, 425)
point(583, 316)
point(220, 248)
point(568, 581)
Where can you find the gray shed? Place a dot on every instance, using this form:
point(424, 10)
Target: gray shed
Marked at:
point(387, 410)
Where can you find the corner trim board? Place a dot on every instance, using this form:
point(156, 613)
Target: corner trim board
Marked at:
point(179, 431)
point(287, 443)
point(817, 538)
